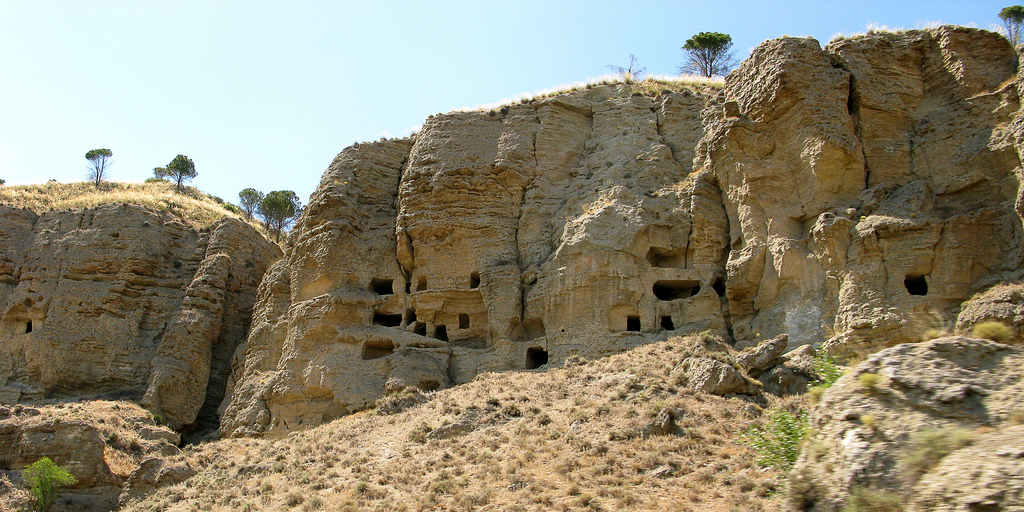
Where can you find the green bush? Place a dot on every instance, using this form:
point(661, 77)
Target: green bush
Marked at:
point(869, 381)
point(156, 180)
point(44, 479)
point(778, 443)
point(992, 330)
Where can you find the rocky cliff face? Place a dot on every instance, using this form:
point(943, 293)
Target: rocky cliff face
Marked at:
point(123, 301)
point(841, 195)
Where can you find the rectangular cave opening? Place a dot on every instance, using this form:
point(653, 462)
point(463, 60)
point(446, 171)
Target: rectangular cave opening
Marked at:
point(463, 321)
point(420, 328)
point(672, 290)
point(441, 332)
point(28, 326)
point(382, 286)
point(474, 280)
point(667, 324)
point(916, 284)
point(376, 349)
point(633, 323)
point(387, 320)
point(661, 257)
point(421, 284)
point(536, 357)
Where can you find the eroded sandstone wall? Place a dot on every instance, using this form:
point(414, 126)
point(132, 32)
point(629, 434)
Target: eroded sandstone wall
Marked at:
point(839, 195)
point(120, 300)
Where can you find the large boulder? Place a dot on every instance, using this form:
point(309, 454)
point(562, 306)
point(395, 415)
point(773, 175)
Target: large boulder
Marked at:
point(935, 423)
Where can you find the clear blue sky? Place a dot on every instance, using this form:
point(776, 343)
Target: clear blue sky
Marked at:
point(265, 94)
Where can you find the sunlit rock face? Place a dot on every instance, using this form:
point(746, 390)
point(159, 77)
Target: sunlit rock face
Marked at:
point(841, 196)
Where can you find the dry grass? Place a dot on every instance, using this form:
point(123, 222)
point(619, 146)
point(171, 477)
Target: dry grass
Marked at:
point(650, 86)
point(567, 439)
point(195, 208)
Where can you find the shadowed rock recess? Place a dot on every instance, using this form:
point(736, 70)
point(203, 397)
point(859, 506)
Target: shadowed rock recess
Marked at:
point(842, 196)
point(119, 301)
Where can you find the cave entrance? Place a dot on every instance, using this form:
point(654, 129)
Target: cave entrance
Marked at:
point(719, 287)
point(672, 290)
point(382, 286)
point(633, 323)
point(536, 357)
point(916, 284)
point(420, 328)
point(441, 332)
point(463, 321)
point(474, 280)
point(666, 258)
point(376, 349)
point(28, 326)
point(387, 320)
point(421, 284)
point(667, 324)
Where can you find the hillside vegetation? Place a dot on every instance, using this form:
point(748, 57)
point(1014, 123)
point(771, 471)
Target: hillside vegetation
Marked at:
point(194, 207)
point(612, 434)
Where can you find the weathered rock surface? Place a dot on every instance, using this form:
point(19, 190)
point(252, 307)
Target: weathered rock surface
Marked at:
point(125, 301)
point(861, 435)
point(841, 196)
point(1001, 303)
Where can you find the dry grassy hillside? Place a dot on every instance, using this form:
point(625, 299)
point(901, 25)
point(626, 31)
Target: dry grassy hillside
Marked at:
point(611, 434)
point(194, 207)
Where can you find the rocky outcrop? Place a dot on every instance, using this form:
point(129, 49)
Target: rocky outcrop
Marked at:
point(122, 301)
point(100, 443)
point(841, 196)
point(936, 424)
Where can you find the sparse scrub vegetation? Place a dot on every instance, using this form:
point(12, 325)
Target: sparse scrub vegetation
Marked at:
point(926, 448)
point(778, 443)
point(869, 381)
point(993, 330)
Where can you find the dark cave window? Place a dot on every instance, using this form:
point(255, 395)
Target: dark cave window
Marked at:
point(28, 327)
point(421, 284)
point(916, 285)
point(474, 280)
point(463, 321)
point(633, 323)
point(667, 324)
point(719, 287)
point(382, 286)
point(441, 332)
point(387, 320)
point(420, 328)
point(666, 258)
point(672, 290)
point(410, 316)
point(536, 357)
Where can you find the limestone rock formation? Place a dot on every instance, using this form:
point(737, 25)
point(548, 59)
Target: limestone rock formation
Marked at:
point(841, 196)
point(123, 301)
point(1001, 303)
point(940, 428)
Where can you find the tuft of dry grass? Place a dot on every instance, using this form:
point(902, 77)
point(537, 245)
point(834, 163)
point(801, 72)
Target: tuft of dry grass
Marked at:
point(571, 438)
point(192, 206)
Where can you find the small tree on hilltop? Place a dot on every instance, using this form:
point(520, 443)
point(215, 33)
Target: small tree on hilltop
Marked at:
point(278, 209)
point(708, 54)
point(249, 199)
point(180, 169)
point(633, 72)
point(44, 479)
point(1013, 17)
point(99, 161)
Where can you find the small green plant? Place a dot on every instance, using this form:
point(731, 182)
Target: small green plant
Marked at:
point(778, 443)
point(992, 330)
point(927, 447)
point(869, 381)
point(44, 479)
point(828, 373)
